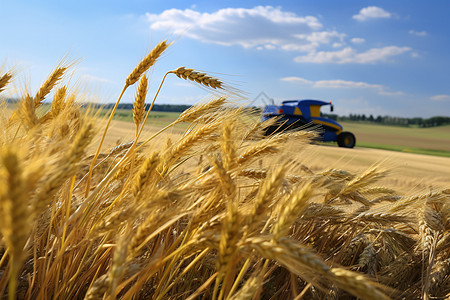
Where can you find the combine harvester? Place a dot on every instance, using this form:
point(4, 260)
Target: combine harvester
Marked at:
point(305, 114)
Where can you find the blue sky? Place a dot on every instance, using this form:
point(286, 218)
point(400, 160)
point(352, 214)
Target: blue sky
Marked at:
point(371, 57)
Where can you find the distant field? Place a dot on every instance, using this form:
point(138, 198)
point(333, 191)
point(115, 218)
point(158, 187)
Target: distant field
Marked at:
point(156, 118)
point(432, 141)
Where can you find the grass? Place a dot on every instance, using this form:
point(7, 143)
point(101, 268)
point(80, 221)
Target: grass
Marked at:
point(434, 141)
point(217, 213)
point(157, 118)
point(405, 149)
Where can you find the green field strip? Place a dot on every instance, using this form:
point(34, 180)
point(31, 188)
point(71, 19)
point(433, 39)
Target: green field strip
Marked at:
point(399, 148)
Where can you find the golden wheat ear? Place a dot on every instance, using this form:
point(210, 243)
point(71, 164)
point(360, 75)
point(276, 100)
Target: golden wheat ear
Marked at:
point(48, 85)
point(147, 62)
point(4, 80)
point(139, 101)
point(199, 77)
point(14, 212)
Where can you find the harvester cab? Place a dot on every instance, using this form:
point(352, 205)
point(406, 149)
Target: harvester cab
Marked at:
point(305, 114)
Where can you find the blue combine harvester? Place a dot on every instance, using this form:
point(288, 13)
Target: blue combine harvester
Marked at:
point(303, 114)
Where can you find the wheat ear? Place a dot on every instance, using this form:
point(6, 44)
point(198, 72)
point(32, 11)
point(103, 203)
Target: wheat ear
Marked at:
point(48, 85)
point(15, 222)
point(139, 102)
point(266, 194)
point(200, 78)
point(65, 168)
point(356, 284)
point(4, 80)
point(291, 210)
point(28, 112)
point(197, 111)
point(147, 62)
point(58, 100)
point(144, 174)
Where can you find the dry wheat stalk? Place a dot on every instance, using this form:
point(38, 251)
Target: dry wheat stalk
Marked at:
point(48, 85)
point(200, 78)
point(139, 101)
point(147, 62)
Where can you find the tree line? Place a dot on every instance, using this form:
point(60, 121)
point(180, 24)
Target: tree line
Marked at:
point(389, 120)
point(384, 120)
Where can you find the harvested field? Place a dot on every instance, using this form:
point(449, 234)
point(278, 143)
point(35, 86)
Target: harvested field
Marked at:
point(409, 172)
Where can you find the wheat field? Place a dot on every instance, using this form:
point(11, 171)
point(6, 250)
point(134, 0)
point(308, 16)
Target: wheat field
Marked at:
point(216, 212)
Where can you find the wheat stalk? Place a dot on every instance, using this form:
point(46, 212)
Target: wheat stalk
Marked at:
point(134, 76)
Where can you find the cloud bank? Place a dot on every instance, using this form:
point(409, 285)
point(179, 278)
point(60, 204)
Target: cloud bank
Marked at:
point(342, 84)
point(272, 28)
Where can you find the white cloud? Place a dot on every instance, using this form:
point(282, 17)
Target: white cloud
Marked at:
point(349, 55)
point(342, 84)
point(418, 33)
point(266, 28)
point(247, 27)
point(372, 12)
point(358, 40)
point(440, 98)
point(297, 80)
point(91, 78)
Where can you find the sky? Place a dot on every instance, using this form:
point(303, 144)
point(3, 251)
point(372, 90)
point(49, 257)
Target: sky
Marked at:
point(367, 57)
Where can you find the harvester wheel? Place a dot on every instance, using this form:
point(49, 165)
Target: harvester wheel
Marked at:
point(346, 139)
